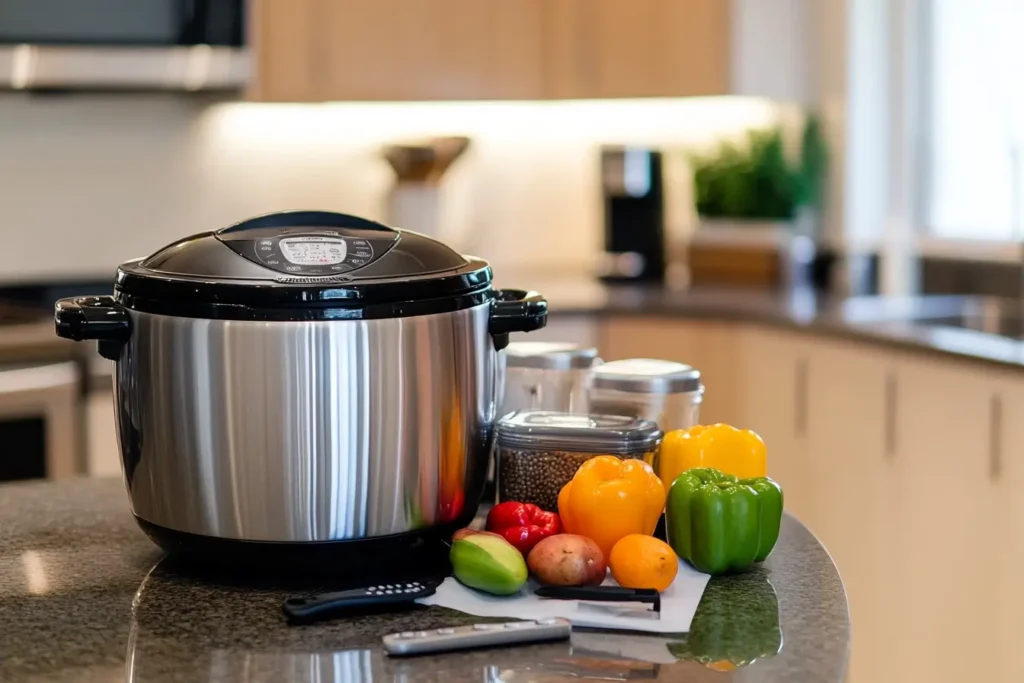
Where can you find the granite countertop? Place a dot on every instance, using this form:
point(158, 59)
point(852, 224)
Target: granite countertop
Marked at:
point(973, 328)
point(85, 596)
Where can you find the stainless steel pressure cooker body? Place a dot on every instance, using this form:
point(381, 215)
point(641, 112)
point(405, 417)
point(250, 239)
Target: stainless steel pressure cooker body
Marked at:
point(303, 378)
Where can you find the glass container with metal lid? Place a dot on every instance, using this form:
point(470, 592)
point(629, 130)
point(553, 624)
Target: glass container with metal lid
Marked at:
point(538, 452)
point(667, 392)
point(547, 376)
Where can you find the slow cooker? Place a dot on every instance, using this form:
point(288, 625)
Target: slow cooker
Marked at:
point(303, 379)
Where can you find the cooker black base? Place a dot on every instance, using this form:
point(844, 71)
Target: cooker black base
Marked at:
point(419, 553)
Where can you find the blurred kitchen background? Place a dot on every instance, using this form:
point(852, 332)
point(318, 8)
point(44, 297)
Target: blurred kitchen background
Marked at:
point(823, 148)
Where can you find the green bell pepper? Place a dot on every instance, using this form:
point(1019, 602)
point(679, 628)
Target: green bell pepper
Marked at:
point(722, 524)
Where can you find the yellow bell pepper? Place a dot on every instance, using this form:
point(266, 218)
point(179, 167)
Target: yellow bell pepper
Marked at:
point(610, 498)
point(739, 452)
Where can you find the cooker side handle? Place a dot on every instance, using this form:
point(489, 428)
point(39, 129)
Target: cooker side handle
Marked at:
point(516, 310)
point(94, 317)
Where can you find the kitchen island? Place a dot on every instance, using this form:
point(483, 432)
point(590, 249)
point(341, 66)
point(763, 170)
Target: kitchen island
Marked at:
point(85, 596)
point(906, 402)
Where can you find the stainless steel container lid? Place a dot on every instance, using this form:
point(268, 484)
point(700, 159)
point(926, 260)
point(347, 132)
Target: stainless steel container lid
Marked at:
point(549, 355)
point(647, 376)
point(541, 429)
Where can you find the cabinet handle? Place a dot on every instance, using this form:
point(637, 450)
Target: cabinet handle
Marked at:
point(891, 396)
point(995, 437)
point(800, 412)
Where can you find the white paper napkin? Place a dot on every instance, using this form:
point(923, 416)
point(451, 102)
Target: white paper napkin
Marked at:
point(678, 605)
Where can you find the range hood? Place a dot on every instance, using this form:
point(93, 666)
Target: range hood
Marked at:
point(172, 68)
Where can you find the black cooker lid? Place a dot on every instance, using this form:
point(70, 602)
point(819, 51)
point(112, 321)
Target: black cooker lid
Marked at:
point(307, 264)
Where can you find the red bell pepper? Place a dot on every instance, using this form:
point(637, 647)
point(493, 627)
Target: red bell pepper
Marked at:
point(523, 525)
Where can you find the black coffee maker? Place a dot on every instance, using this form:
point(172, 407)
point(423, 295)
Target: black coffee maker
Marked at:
point(634, 215)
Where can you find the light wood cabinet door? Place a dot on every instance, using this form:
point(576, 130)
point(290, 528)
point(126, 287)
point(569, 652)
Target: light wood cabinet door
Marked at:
point(582, 330)
point(636, 48)
point(1007, 469)
point(103, 455)
point(399, 49)
point(771, 399)
point(951, 536)
point(287, 64)
point(854, 490)
point(711, 347)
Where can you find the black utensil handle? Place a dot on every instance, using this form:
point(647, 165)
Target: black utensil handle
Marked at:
point(326, 605)
point(602, 594)
point(516, 310)
point(296, 219)
point(94, 317)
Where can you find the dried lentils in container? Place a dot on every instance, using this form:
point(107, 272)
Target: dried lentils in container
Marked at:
point(538, 452)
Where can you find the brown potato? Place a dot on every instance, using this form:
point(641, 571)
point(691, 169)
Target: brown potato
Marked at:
point(567, 560)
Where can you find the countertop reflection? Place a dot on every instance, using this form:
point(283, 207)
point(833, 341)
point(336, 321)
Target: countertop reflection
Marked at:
point(84, 596)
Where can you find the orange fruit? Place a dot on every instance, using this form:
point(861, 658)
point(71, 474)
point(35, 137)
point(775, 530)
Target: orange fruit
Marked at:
point(639, 561)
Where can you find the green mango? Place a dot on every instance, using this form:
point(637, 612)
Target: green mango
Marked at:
point(488, 563)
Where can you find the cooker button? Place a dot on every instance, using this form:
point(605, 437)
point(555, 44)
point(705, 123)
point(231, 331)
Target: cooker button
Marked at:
point(406, 634)
point(389, 592)
point(357, 261)
point(485, 627)
point(446, 631)
point(519, 624)
point(421, 634)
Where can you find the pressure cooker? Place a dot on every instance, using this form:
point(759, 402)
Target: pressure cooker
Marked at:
point(303, 379)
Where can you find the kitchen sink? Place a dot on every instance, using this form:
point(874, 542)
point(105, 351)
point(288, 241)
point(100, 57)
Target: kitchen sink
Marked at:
point(1002, 317)
point(1004, 326)
point(989, 315)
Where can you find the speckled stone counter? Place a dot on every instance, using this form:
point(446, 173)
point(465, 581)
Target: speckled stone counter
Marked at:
point(85, 597)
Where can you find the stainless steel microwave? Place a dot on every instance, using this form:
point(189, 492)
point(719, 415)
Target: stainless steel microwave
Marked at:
point(122, 44)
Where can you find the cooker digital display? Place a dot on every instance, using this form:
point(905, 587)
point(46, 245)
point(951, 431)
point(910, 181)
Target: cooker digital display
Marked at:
point(314, 251)
point(310, 254)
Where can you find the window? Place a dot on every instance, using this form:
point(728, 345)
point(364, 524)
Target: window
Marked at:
point(973, 119)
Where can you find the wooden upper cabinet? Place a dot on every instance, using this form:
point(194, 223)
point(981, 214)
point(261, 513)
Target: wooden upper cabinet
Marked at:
point(404, 49)
point(308, 50)
point(284, 64)
point(636, 48)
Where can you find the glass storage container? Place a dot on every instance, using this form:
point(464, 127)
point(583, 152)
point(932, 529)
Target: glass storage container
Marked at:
point(538, 452)
point(667, 392)
point(546, 376)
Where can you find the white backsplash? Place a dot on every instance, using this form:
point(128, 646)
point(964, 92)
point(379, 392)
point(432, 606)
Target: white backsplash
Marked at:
point(88, 181)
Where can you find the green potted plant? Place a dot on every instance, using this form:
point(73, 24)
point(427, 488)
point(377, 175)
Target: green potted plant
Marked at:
point(755, 186)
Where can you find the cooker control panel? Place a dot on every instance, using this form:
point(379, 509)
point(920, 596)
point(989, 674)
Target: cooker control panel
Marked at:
point(314, 254)
point(320, 253)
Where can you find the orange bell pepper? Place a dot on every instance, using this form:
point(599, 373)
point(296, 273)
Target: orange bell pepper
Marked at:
point(739, 452)
point(610, 498)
